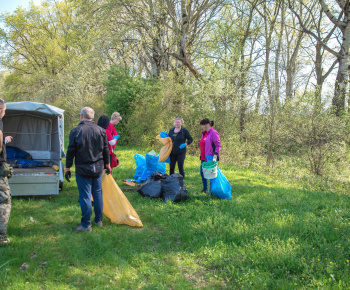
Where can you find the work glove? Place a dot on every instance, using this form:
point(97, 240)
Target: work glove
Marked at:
point(215, 157)
point(108, 169)
point(68, 175)
point(163, 135)
point(116, 137)
point(183, 145)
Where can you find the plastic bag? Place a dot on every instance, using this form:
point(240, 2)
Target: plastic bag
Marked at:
point(29, 163)
point(115, 204)
point(166, 149)
point(140, 165)
point(161, 167)
point(183, 189)
point(220, 186)
point(151, 164)
point(172, 189)
point(153, 187)
point(15, 152)
point(152, 152)
point(140, 170)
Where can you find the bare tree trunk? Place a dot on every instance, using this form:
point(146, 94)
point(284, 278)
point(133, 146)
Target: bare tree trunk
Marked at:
point(291, 62)
point(258, 96)
point(269, 31)
point(343, 55)
point(278, 53)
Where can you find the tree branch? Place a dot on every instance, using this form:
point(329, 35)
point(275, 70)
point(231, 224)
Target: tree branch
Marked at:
point(330, 69)
point(337, 22)
point(184, 58)
point(313, 34)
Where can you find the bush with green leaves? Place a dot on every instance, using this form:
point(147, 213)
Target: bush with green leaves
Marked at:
point(124, 93)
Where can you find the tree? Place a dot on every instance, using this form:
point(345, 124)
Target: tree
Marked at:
point(339, 18)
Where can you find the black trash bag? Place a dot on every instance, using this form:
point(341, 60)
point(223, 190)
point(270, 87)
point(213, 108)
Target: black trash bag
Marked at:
point(173, 188)
point(158, 176)
point(183, 192)
point(153, 187)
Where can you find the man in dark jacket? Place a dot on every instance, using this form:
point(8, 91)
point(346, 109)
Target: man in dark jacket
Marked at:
point(88, 145)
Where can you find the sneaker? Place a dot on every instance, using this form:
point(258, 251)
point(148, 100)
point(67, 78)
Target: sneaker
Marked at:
point(99, 224)
point(4, 240)
point(205, 191)
point(81, 228)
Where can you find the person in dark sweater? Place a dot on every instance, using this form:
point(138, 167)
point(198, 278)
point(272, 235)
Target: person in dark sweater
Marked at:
point(181, 139)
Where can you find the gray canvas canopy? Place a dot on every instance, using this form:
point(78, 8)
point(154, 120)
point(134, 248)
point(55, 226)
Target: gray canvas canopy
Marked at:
point(36, 128)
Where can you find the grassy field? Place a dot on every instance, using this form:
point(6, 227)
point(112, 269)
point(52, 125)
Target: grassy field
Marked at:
point(271, 234)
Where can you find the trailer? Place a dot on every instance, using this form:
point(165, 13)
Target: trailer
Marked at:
point(38, 129)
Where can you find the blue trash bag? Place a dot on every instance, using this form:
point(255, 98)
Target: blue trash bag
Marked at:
point(15, 152)
point(161, 167)
point(140, 165)
point(29, 163)
point(151, 164)
point(220, 187)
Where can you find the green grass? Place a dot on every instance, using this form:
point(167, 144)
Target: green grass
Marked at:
point(271, 234)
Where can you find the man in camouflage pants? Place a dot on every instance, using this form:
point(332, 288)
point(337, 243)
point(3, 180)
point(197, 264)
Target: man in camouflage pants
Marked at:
point(5, 209)
point(5, 194)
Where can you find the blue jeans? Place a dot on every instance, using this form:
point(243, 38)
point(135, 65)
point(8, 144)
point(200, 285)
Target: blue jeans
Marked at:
point(86, 187)
point(204, 181)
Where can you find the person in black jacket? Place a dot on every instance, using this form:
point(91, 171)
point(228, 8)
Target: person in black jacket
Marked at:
point(88, 145)
point(181, 139)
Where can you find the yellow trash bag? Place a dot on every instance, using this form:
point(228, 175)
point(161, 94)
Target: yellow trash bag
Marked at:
point(115, 204)
point(166, 149)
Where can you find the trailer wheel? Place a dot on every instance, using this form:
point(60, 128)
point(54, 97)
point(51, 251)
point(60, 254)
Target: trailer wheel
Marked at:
point(60, 185)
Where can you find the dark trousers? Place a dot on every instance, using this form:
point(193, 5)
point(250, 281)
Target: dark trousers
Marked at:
point(88, 187)
point(204, 181)
point(180, 159)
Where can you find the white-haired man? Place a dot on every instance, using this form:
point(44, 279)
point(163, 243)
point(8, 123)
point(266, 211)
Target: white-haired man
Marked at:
point(88, 146)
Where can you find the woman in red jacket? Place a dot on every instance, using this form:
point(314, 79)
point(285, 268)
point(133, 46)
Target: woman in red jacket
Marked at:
point(103, 122)
point(115, 119)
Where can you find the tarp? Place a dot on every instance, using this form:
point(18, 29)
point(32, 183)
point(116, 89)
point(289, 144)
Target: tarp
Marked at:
point(34, 107)
point(35, 127)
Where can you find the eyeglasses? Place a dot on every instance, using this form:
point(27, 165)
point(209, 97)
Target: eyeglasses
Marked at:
point(178, 117)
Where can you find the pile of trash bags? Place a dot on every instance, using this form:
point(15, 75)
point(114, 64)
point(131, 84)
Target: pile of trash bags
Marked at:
point(146, 166)
point(166, 187)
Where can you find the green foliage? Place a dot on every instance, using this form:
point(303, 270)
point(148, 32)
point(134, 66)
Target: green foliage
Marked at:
point(124, 94)
point(157, 112)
